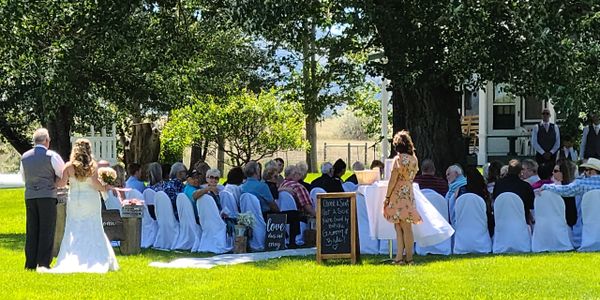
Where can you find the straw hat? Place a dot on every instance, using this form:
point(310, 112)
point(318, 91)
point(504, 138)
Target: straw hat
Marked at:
point(592, 163)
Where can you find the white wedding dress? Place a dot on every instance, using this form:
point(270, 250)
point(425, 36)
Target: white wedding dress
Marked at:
point(85, 247)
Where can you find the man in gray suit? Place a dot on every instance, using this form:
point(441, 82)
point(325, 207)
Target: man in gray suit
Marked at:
point(41, 169)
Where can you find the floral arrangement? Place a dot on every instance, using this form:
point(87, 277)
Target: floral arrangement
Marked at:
point(107, 175)
point(246, 219)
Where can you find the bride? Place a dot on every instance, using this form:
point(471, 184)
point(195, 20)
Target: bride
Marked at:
point(85, 247)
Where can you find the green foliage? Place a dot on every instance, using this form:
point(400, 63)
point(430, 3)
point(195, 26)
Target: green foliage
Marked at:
point(246, 125)
point(567, 275)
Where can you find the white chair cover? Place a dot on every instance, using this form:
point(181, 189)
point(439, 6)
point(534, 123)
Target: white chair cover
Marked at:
point(286, 201)
point(112, 201)
point(590, 208)
point(229, 204)
point(472, 234)
point(149, 225)
point(168, 227)
point(441, 205)
point(189, 230)
point(578, 227)
point(349, 187)
point(249, 203)
point(313, 195)
point(367, 245)
point(551, 232)
point(149, 196)
point(511, 233)
point(214, 231)
point(236, 191)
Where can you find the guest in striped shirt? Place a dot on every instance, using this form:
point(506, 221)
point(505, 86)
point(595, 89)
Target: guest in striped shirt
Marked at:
point(580, 186)
point(428, 180)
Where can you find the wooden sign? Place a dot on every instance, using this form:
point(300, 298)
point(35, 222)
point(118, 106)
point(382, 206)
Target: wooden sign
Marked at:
point(113, 225)
point(337, 230)
point(276, 230)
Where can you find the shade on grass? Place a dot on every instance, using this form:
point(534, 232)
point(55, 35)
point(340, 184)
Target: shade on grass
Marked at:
point(556, 275)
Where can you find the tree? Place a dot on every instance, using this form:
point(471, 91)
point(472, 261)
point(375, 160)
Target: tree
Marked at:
point(318, 66)
point(251, 126)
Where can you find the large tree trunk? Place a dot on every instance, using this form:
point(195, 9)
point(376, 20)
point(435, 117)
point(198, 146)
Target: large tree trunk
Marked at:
point(311, 137)
point(145, 144)
point(431, 115)
point(20, 140)
point(59, 128)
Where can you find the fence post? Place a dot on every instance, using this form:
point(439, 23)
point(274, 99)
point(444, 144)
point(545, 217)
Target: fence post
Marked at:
point(324, 151)
point(349, 153)
point(366, 147)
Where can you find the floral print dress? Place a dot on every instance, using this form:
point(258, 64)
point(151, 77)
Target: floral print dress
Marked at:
point(400, 206)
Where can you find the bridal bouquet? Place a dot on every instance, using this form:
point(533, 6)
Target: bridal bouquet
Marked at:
point(107, 175)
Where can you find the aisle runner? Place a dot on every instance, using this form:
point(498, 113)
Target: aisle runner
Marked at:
point(231, 259)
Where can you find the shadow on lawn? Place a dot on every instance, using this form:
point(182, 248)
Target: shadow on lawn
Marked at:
point(12, 241)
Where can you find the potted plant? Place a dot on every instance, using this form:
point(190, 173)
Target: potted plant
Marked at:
point(244, 220)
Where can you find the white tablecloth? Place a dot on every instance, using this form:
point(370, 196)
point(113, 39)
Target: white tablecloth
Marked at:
point(374, 195)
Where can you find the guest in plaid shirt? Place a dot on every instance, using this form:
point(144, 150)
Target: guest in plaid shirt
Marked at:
point(580, 186)
point(290, 184)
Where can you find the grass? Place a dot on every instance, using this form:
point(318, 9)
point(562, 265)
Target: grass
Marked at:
point(533, 276)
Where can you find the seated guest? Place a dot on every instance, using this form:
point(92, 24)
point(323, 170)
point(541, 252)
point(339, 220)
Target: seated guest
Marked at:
point(133, 182)
point(303, 202)
point(202, 167)
point(270, 176)
point(235, 176)
point(530, 170)
point(476, 185)
point(339, 169)
point(119, 181)
point(280, 165)
point(503, 171)
point(254, 186)
point(326, 181)
point(579, 186)
point(512, 183)
point(457, 182)
point(545, 174)
point(563, 174)
point(376, 163)
point(175, 185)
point(428, 180)
point(191, 186)
point(303, 169)
point(356, 166)
point(155, 183)
point(493, 174)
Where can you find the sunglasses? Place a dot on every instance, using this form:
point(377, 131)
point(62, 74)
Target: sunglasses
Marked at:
point(213, 177)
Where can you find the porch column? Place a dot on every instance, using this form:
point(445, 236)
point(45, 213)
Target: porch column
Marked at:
point(483, 115)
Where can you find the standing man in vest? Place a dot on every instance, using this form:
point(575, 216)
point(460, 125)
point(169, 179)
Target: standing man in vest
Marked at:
point(545, 139)
point(590, 141)
point(41, 169)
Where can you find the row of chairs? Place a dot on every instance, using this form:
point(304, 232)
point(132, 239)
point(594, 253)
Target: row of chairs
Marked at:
point(512, 234)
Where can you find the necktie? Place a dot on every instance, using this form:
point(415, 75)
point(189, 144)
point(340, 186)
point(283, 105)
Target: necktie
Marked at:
point(546, 127)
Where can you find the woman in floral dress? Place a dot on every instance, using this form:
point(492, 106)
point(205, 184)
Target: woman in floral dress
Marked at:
point(399, 206)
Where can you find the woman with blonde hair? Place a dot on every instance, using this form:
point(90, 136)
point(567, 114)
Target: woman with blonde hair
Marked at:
point(85, 247)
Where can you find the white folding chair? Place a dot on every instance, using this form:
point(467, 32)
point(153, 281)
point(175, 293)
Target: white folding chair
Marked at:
point(112, 201)
point(214, 231)
point(313, 195)
point(168, 227)
point(511, 233)
point(441, 205)
point(189, 230)
point(471, 234)
point(149, 225)
point(229, 204)
point(551, 232)
point(249, 203)
point(349, 186)
point(590, 209)
point(286, 202)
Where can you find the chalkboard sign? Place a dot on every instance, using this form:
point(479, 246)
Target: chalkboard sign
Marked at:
point(337, 234)
point(276, 230)
point(113, 225)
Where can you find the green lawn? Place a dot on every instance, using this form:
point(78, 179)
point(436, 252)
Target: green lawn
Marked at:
point(555, 275)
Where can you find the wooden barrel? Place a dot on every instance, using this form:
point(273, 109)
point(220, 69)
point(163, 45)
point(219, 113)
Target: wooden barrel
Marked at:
point(132, 229)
